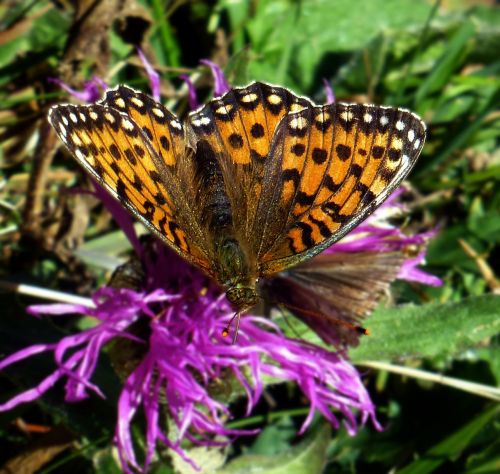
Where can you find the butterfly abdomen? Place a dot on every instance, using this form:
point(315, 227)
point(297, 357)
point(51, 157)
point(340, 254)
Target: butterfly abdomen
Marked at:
point(233, 269)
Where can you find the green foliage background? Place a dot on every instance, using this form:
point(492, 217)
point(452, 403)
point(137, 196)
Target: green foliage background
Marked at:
point(439, 59)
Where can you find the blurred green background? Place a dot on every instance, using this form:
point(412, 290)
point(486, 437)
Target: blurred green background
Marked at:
point(440, 59)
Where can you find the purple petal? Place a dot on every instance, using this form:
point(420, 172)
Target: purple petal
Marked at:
point(221, 85)
point(330, 97)
point(91, 90)
point(410, 272)
point(192, 98)
point(153, 76)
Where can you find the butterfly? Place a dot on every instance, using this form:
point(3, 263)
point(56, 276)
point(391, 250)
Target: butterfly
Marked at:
point(254, 183)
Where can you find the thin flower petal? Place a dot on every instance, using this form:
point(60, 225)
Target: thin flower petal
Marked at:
point(330, 97)
point(91, 89)
point(410, 272)
point(221, 85)
point(153, 76)
point(192, 97)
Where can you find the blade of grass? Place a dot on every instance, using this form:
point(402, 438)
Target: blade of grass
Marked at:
point(423, 35)
point(451, 446)
point(447, 64)
point(169, 50)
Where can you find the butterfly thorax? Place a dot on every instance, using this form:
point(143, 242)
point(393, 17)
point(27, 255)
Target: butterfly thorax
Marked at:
point(235, 273)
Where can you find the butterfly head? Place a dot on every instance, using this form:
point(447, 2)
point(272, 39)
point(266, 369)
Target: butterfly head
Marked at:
point(243, 297)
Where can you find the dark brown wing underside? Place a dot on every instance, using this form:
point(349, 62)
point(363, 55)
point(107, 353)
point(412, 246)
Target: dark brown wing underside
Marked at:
point(332, 292)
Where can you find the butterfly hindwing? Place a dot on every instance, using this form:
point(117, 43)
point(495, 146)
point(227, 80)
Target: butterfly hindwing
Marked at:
point(115, 150)
point(329, 167)
point(238, 127)
point(333, 291)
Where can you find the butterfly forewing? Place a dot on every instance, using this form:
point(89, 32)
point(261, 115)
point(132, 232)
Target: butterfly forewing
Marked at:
point(115, 150)
point(329, 168)
point(162, 128)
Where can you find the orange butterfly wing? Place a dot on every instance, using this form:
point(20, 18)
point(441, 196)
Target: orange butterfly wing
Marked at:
point(286, 177)
point(135, 149)
point(329, 167)
point(239, 127)
point(300, 176)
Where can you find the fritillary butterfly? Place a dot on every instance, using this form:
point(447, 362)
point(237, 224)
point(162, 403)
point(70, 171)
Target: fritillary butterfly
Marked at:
point(252, 183)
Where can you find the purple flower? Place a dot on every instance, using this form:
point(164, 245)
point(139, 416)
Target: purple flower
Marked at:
point(376, 234)
point(184, 353)
point(92, 90)
point(330, 96)
point(192, 96)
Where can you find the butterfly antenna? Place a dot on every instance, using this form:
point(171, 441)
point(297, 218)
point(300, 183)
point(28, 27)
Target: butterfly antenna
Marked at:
point(225, 331)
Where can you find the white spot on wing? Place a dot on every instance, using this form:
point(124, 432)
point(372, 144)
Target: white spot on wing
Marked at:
point(80, 155)
point(249, 98)
point(203, 120)
point(346, 115)
point(296, 107)
point(176, 124)
point(298, 123)
point(76, 139)
point(397, 143)
point(137, 101)
point(274, 99)
point(127, 125)
point(224, 109)
point(158, 112)
point(322, 117)
point(120, 102)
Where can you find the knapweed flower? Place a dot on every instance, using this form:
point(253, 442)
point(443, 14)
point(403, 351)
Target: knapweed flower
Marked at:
point(184, 355)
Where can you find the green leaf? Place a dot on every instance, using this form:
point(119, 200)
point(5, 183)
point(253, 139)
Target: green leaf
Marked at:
point(313, 31)
point(451, 59)
point(207, 459)
point(486, 461)
point(307, 456)
point(486, 226)
point(451, 446)
point(431, 330)
point(105, 462)
point(275, 437)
